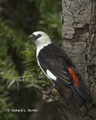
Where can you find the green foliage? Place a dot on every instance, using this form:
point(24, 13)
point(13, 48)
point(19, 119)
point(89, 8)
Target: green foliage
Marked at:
point(7, 68)
point(10, 40)
point(25, 15)
point(5, 104)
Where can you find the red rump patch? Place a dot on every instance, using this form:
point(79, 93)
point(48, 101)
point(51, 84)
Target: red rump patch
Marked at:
point(75, 78)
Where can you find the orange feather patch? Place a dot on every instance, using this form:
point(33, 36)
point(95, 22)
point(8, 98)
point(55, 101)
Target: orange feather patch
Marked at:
point(75, 78)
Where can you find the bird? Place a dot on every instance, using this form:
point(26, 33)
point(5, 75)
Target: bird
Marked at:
point(58, 66)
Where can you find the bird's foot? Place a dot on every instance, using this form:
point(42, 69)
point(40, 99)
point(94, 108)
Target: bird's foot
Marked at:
point(47, 92)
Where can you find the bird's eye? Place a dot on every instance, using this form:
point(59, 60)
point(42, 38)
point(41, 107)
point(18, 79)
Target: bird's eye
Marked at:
point(38, 36)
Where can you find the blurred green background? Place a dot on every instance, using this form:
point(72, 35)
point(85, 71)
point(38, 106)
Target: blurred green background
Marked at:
point(21, 80)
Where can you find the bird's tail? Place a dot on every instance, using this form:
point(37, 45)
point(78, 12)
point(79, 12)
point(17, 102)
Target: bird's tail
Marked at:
point(80, 94)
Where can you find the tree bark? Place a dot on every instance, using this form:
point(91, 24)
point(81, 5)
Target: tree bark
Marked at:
point(79, 42)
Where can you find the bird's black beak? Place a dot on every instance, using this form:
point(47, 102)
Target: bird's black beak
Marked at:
point(32, 37)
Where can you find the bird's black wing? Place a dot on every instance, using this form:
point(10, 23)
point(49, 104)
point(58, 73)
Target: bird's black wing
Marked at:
point(52, 58)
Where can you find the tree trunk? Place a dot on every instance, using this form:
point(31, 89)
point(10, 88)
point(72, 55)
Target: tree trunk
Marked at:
point(79, 42)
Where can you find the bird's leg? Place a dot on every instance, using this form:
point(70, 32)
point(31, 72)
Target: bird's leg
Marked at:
point(46, 92)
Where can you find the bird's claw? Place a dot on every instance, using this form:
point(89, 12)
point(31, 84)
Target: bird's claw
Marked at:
point(47, 92)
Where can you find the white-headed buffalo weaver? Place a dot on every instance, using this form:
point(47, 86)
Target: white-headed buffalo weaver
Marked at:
point(57, 66)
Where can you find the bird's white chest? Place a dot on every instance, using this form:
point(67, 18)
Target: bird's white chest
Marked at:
point(38, 50)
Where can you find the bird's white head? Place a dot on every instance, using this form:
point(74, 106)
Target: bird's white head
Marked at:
point(40, 38)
